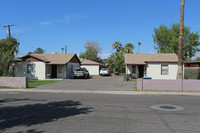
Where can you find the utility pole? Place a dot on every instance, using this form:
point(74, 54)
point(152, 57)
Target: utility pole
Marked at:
point(65, 49)
point(181, 35)
point(8, 29)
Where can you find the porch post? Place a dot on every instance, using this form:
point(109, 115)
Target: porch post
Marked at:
point(136, 68)
point(126, 71)
point(63, 69)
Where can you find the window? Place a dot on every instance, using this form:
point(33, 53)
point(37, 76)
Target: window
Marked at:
point(29, 68)
point(133, 69)
point(60, 69)
point(164, 69)
point(80, 69)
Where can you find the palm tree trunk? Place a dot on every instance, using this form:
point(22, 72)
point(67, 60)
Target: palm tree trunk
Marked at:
point(180, 56)
point(138, 49)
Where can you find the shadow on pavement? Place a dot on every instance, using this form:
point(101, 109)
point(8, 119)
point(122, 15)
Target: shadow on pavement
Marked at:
point(5, 100)
point(28, 115)
point(30, 131)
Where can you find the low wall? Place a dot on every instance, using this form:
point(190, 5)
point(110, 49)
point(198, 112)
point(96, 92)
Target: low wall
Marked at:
point(17, 82)
point(168, 85)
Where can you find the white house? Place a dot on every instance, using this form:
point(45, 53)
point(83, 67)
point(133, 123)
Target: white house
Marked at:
point(156, 66)
point(42, 66)
point(92, 66)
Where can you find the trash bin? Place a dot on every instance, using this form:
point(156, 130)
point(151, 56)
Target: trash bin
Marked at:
point(48, 76)
point(146, 77)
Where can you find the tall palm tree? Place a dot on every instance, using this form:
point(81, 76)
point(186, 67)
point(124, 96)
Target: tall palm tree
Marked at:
point(118, 46)
point(128, 48)
point(180, 51)
point(62, 50)
point(139, 43)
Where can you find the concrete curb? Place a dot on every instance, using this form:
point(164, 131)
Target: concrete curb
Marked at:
point(104, 92)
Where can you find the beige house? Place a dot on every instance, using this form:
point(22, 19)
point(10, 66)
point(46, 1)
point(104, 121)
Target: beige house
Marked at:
point(156, 66)
point(92, 66)
point(43, 66)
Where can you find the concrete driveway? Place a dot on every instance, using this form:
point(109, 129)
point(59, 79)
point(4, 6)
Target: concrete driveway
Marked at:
point(105, 83)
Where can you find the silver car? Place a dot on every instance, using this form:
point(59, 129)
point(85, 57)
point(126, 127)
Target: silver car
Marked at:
point(81, 73)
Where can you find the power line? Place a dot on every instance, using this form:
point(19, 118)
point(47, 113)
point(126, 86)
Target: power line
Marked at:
point(27, 44)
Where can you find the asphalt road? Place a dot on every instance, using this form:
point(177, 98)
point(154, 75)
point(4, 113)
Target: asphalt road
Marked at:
point(105, 83)
point(96, 113)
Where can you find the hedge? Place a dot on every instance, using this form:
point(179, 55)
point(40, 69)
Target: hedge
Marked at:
point(192, 73)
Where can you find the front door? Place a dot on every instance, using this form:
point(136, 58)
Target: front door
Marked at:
point(54, 71)
point(70, 71)
point(134, 74)
point(141, 71)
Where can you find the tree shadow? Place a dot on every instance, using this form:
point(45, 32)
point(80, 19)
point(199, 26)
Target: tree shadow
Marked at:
point(28, 115)
point(31, 131)
point(25, 69)
point(6, 100)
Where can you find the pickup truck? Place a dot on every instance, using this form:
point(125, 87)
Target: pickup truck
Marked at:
point(81, 73)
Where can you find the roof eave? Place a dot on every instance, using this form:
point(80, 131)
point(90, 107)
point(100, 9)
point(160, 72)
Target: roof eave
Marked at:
point(134, 64)
point(33, 57)
point(161, 61)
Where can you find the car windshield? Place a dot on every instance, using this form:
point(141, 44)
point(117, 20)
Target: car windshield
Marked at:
point(80, 69)
point(104, 69)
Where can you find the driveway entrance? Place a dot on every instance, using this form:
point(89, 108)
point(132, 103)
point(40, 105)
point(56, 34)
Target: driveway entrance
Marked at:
point(109, 83)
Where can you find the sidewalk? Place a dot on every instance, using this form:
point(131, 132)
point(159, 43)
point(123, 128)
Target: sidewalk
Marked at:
point(104, 92)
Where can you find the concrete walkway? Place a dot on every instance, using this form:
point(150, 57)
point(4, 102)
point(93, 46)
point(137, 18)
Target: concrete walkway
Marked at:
point(103, 92)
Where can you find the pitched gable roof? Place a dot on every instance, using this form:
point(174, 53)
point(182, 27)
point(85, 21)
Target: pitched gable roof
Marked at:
point(142, 59)
point(90, 62)
point(53, 58)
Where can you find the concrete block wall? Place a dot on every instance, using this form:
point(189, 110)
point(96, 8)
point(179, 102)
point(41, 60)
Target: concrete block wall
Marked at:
point(17, 82)
point(168, 85)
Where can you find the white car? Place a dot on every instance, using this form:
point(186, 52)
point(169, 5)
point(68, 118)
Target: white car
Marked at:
point(104, 71)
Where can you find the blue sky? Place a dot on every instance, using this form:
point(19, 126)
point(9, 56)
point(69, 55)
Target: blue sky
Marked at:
point(52, 24)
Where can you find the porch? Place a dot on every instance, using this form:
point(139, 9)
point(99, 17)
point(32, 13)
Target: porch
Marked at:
point(56, 71)
point(134, 71)
point(61, 70)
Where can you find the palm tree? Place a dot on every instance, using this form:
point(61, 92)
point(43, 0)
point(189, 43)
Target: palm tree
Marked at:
point(139, 43)
point(118, 46)
point(128, 48)
point(62, 50)
point(180, 51)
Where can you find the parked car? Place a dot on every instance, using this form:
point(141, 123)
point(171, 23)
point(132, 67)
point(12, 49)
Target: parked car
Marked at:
point(81, 73)
point(104, 71)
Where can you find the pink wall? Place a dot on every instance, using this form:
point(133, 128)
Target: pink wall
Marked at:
point(17, 82)
point(168, 85)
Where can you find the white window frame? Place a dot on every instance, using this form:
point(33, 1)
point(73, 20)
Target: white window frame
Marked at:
point(166, 70)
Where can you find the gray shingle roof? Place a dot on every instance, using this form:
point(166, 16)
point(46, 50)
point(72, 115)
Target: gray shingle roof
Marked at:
point(90, 62)
point(54, 58)
point(150, 57)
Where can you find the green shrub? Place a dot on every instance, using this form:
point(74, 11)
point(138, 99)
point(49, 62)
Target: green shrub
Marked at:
point(192, 73)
